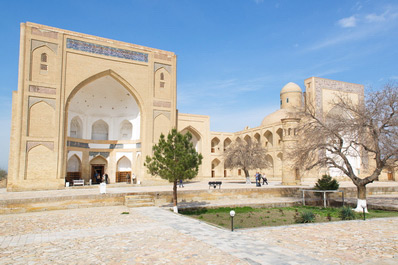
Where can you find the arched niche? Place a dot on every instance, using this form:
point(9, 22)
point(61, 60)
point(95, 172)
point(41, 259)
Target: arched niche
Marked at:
point(227, 142)
point(196, 138)
point(76, 128)
point(43, 70)
point(162, 84)
point(161, 125)
point(100, 130)
point(73, 169)
point(41, 120)
point(214, 144)
point(123, 173)
point(41, 163)
point(216, 169)
point(257, 137)
point(269, 139)
point(248, 139)
point(126, 130)
point(279, 132)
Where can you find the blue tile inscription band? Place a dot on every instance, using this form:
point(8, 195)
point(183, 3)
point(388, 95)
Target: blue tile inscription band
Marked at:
point(106, 50)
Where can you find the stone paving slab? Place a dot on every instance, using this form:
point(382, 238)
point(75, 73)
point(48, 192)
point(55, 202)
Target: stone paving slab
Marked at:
point(152, 235)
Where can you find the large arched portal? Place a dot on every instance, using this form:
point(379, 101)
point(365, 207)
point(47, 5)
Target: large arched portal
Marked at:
point(104, 117)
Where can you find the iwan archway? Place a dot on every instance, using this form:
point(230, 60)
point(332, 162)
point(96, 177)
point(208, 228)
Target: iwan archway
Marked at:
point(104, 118)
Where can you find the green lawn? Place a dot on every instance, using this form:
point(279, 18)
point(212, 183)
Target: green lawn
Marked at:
point(246, 217)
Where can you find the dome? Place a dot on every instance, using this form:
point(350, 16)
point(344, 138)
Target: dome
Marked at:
point(275, 117)
point(290, 87)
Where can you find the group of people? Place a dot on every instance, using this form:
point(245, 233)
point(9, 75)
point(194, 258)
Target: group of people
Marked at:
point(260, 177)
point(99, 179)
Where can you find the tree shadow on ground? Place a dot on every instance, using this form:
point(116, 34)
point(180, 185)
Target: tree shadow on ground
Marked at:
point(185, 204)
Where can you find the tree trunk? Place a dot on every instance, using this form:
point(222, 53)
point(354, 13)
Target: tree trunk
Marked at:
point(175, 208)
point(361, 193)
point(247, 176)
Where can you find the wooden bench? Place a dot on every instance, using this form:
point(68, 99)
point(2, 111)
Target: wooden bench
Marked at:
point(77, 182)
point(214, 184)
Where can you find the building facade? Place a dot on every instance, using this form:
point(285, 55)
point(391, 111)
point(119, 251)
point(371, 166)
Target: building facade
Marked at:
point(88, 106)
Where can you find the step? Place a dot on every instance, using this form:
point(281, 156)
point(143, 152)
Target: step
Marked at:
point(139, 200)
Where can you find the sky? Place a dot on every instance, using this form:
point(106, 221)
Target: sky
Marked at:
point(234, 56)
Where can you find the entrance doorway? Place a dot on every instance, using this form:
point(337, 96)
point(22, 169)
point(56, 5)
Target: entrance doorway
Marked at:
point(390, 176)
point(97, 171)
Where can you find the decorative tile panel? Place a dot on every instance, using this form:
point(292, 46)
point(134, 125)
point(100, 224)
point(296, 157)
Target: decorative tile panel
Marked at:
point(77, 144)
point(104, 154)
point(163, 104)
point(106, 50)
point(116, 146)
point(31, 144)
point(42, 89)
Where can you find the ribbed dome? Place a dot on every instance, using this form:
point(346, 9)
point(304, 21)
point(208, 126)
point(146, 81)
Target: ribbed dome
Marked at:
point(290, 87)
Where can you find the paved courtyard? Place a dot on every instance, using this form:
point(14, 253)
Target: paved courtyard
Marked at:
point(151, 235)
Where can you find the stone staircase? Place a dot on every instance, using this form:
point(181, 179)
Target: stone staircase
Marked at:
point(139, 200)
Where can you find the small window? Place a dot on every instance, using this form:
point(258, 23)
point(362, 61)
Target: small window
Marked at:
point(44, 57)
point(43, 67)
point(161, 76)
point(161, 84)
point(287, 100)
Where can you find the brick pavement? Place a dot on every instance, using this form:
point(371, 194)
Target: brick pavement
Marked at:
point(156, 236)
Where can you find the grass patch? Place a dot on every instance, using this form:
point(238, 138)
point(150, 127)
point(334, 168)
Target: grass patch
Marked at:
point(247, 217)
point(125, 213)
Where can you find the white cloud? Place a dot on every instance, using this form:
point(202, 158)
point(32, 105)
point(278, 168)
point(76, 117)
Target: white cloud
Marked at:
point(348, 22)
point(375, 18)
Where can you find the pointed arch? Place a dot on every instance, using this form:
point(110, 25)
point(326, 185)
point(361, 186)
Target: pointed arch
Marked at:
point(269, 139)
point(196, 137)
point(248, 139)
point(76, 128)
point(117, 78)
point(126, 130)
point(41, 121)
point(216, 170)
point(257, 137)
point(124, 164)
point(100, 130)
point(215, 144)
point(227, 142)
point(279, 132)
point(74, 164)
point(123, 173)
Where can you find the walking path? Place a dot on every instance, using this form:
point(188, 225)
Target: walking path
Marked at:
point(103, 235)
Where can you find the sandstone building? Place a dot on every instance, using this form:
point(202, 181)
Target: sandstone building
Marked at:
point(87, 105)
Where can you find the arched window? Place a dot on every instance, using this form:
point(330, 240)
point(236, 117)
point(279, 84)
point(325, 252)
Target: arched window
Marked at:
point(161, 76)
point(43, 57)
point(99, 130)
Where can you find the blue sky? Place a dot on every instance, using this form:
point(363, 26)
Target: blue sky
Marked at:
point(233, 56)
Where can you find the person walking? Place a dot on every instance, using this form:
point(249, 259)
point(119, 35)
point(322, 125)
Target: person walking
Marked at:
point(180, 185)
point(264, 179)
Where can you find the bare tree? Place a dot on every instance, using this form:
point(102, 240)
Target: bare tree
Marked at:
point(247, 156)
point(352, 133)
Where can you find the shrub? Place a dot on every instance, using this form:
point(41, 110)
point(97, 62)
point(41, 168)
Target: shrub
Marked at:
point(3, 174)
point(306, 217)
point(346, 213)
point(326, 182)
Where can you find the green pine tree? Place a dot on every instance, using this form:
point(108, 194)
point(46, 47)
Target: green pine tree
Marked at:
point(173, 159)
